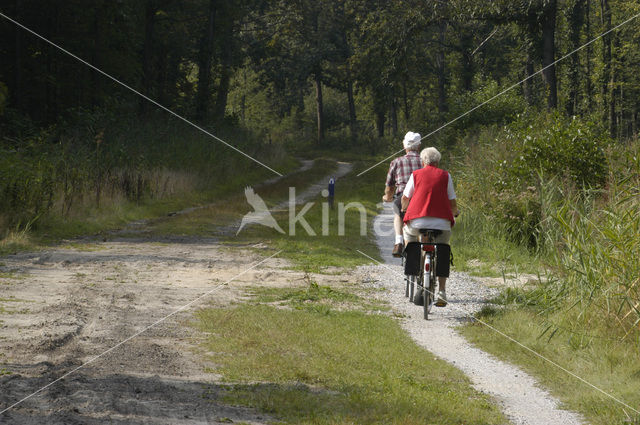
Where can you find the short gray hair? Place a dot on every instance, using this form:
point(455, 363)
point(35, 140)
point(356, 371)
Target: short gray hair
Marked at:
point(430, 156)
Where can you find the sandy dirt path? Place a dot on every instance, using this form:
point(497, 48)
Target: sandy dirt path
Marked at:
point(522, 400)
point(62, 307)
point(68, 305)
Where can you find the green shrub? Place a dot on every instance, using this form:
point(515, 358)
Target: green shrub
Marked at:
point(517, 162)
point(501, 109)
point(552, 145)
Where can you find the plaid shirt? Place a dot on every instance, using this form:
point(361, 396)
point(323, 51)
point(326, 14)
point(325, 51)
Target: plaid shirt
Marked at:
point(401, 168)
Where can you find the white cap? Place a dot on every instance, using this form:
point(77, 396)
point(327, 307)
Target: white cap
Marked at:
point(411, 140)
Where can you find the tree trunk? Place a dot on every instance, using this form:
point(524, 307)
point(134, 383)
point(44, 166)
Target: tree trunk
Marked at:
point(161, 75)
point(147, 54)
point(613, 90)
point(380, 120)
point(405, 98)
point(353, 123)
point(225, 74)
point(441, 70)
point(319, 107)
point(549, 53)
point(205, 60)
point(95, 93)
point(575, 21)
point(394, 115)
point(606, 60)
point(467, 60)
point(528, 83)
point(634, 117)
point(18, 89)
point(589, 87)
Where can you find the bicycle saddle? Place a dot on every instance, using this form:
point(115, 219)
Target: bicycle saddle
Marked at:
point(435, 232)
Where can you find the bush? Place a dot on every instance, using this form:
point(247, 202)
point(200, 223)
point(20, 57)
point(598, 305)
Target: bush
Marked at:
point(502, 109)
point(507, 170)
point(554, 146)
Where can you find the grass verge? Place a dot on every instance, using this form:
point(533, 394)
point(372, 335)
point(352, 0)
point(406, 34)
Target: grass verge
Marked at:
point(317, 364)
point(591, 353)
point(116, 213)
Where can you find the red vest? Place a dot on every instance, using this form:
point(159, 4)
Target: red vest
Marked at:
point(430, 197)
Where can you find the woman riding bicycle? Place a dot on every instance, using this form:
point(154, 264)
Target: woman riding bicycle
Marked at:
point(429, 202)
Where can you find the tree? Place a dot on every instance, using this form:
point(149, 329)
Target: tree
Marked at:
point(575, 22)
point(205, 60)
point(549, 13)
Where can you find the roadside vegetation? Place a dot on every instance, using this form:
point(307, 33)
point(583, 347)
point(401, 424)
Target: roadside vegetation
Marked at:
point(54, 184)
point(554, 197)
point(221, 216)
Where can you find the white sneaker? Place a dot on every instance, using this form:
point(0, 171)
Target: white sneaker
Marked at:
point(442, 299)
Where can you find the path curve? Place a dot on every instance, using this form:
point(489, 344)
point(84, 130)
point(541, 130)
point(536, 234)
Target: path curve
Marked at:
point(519, 395)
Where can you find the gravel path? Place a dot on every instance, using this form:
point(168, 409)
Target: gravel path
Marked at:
point(522, 400)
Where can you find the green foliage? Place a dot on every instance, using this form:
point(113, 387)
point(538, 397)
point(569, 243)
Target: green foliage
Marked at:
point(501, 109)
point(108, 157)
point(507, 171)
point(552, 145)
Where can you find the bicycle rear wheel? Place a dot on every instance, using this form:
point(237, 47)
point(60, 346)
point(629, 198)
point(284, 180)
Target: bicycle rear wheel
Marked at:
point(429, 293)
point(410, 282)
point(418, 298)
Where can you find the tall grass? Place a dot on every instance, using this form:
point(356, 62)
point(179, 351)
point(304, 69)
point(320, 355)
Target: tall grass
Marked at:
point(585, 316)
point(598, 241)
point(104, 160)
point(522, 203)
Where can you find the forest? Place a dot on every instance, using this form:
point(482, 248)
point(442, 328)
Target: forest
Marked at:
point(362, 68)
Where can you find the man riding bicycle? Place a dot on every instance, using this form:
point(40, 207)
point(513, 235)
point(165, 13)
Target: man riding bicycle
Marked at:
point(400, 170)
point(429, 202)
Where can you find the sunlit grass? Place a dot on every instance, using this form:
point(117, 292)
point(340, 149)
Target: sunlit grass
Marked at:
point(214, 218)
point(323, 366)
point(15, 242)
point(591, 353)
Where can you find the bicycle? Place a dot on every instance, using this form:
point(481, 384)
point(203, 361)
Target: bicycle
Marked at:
point(427, 263)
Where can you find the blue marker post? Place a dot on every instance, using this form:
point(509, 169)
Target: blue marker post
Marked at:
point(332, 188)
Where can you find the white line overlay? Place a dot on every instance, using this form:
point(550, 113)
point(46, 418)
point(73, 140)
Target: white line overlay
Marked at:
point(507, 89)
point(138, 93)
point(512, 340)
point(218, 286)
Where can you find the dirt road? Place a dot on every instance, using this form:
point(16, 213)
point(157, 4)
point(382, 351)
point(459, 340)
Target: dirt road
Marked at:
point(67, 306)
point(62, 307)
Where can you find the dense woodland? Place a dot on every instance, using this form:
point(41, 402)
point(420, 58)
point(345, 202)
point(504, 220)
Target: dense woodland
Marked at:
point(341, 68)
